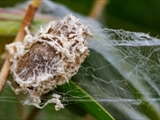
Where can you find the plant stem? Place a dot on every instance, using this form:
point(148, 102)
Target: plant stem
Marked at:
point(98, 8)
point(88, 117)
point(33, 114)
point(20, 109)
point(19, 37)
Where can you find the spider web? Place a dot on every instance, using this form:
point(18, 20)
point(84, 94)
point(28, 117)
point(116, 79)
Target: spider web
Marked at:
point(121, 72)
point(135, 56)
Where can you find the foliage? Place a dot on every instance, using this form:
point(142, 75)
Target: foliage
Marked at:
point(118, 68)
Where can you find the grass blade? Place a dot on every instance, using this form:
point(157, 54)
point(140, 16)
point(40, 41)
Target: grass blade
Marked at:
point(86, 102)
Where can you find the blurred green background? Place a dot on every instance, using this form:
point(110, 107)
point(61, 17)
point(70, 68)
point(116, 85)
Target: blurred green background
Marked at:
point(132, 15)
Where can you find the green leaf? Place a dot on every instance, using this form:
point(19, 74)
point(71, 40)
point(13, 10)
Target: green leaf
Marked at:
point(85, 101)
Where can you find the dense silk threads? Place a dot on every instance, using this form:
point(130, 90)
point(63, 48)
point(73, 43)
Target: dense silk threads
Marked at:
point(47, 59)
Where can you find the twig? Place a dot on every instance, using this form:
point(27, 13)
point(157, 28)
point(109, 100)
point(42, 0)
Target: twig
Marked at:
point(88, 117)
point(19, 37)
point(33, 114)
point(97, 8)
point(20, 109)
